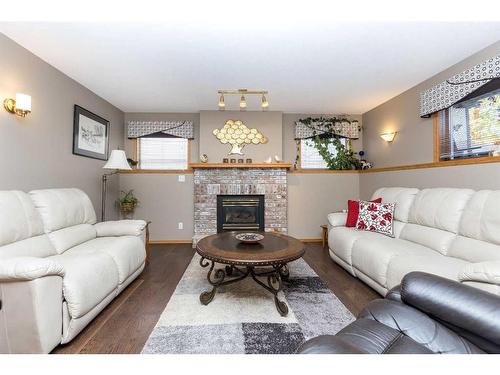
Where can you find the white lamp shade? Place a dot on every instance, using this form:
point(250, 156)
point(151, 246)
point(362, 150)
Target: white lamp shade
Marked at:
point(117, 160)
point(23, 102)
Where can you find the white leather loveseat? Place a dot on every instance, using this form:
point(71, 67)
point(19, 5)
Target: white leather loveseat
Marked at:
point(454, 233)
point(58, 268)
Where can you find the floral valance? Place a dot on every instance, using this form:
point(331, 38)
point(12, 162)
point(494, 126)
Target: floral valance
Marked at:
point(341, 127)
point(458, 87)
point(181, 129)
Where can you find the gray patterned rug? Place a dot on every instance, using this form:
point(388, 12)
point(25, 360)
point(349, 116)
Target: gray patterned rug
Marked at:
point(243, 318)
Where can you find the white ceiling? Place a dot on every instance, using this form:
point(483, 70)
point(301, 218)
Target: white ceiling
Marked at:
point(307, 66)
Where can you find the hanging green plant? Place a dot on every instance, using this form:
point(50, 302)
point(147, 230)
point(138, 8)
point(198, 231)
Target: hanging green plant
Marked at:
point(328, 132)
point(342, 159)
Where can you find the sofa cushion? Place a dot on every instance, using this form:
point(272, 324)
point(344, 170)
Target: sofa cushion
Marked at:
point(62, 208)
point(342, 239)
point(89, 279)
point(435, 263)
point(481, 217)
point(403, 197)
point(19, 218)
point(436, 239)
point(372, 256)
point(38, 246)
point(473, 250)
point(66, 238)
point(440, 208)
point(127, 252)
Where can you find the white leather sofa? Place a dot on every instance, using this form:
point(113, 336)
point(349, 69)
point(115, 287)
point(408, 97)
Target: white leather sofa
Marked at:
point(454, 233)
point(58, 268)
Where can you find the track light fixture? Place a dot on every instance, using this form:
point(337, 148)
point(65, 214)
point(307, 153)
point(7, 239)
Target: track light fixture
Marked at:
point(243, 93)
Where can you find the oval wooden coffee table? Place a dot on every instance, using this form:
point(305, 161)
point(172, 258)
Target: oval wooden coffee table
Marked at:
point(266, 259)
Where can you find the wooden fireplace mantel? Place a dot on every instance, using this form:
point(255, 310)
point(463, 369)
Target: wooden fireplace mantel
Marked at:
point(240, 165)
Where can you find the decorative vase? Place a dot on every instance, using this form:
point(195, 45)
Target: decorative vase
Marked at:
point(127, 210)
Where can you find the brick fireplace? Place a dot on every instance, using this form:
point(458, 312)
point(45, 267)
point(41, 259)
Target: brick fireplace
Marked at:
point(212, 181)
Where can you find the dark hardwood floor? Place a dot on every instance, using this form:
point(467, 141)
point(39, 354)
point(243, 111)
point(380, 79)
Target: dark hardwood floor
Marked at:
point(125, 325)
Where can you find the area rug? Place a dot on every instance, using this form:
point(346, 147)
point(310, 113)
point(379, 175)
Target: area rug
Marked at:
point(242, 318)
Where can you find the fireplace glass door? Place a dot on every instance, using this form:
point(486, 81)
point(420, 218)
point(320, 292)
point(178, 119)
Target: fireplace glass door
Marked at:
point(240, 212)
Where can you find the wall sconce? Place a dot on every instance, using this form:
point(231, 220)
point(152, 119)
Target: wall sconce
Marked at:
point(388, 137)
point(20, 106)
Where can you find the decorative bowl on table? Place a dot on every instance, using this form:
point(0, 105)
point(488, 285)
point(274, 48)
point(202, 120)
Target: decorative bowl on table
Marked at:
point(249, 237)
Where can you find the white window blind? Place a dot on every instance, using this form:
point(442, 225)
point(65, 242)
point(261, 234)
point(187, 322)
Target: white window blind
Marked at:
point(470, 128)
point(310, 157)
point(163, 153)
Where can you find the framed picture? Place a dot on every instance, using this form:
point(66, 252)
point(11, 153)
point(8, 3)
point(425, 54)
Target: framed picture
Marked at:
point(90, 134)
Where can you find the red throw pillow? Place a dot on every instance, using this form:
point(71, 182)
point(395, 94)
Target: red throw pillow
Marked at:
point(376, 217)
point(353, 211)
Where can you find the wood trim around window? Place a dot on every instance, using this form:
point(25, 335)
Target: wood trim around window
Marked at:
point(439, 164)
point(436, 140)
point(323, 171)
point(136, 151)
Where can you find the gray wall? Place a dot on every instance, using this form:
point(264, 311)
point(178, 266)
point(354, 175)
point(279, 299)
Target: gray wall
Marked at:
point(414, 142)
point(166, 201)
point(477, 177)
point(267, 123)
point(311, 197)
point(36, 151)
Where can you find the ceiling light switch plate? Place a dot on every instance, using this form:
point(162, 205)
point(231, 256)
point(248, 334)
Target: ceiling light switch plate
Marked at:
point(182, 178)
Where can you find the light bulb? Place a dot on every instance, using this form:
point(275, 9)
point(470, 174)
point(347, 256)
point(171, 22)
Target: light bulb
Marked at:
point(243, 103)
point(222, 105)
point(265, 103)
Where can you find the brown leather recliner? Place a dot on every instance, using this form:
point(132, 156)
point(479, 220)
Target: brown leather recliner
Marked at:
point(425, 314)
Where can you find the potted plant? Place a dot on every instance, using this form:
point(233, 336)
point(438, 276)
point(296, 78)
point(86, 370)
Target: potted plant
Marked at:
point(127, 203)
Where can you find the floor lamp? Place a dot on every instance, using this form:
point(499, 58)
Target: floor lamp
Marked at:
point(117, 160)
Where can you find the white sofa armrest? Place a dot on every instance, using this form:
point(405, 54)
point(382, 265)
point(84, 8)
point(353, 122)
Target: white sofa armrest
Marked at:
point(337, 219)
point(120, 228)
point(28, 268)
point(484, 272)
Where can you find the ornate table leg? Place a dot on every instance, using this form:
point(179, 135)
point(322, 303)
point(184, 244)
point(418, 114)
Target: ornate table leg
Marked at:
point(284, 273)
point(207, 297)
point(280, 305)
point(274, 286)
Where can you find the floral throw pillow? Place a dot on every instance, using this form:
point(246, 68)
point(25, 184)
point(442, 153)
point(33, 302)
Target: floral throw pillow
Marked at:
point(376, 217)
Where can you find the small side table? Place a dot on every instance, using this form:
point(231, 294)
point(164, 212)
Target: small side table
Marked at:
point(324, 234)
point(146, 241)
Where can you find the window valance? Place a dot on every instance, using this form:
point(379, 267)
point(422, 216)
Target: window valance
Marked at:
point(308, 128)
point(181, 129)
point(458, 87)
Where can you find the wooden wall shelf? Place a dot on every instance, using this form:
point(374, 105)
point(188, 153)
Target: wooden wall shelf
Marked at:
point(240, 165)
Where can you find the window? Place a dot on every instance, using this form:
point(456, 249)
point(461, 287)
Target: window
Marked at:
point(163, 153)
point(310, 157)
point(470, 128)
